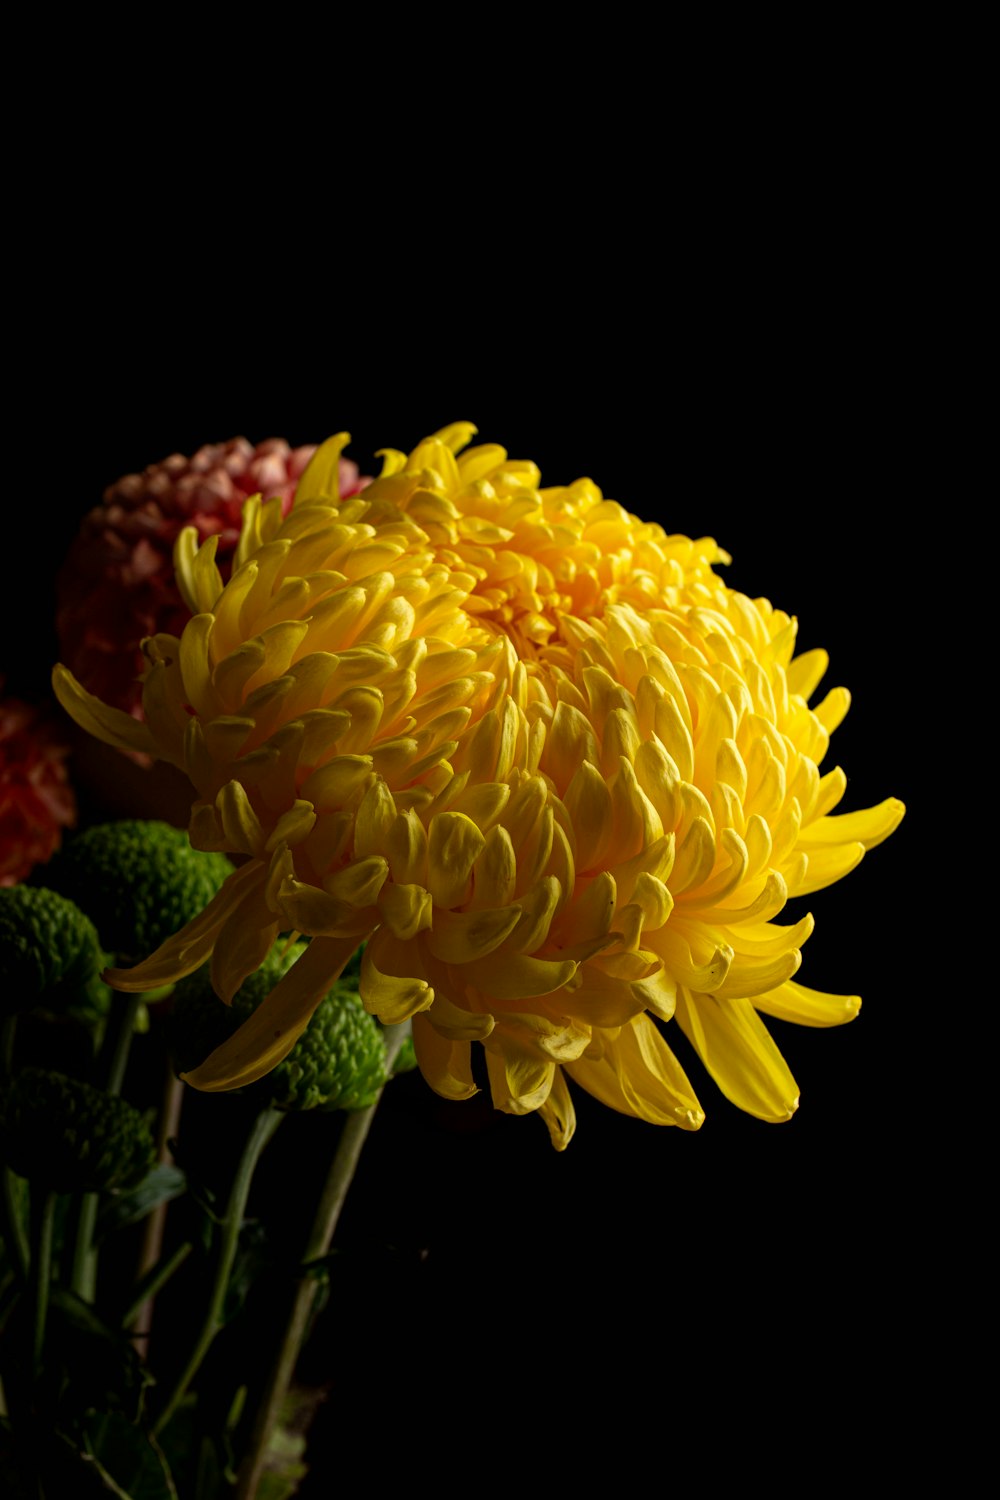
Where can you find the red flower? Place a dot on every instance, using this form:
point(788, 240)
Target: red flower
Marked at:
point(117, 584)
point(36, 799)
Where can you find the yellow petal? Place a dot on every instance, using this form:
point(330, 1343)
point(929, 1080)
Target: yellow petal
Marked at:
point(321, 480)
point(832, 711)
point(793, 1002)
point(738, 1051)
point(518, 977)
point(869, 827)
point(558, 1113)
point(446, 1065)
point(460, 937)
point(453, 847)
point(266, 1039)
point(188, 949)
point(196, 667)
point(520, 1079)
point(805, 672)
point(107, 724)
point(825, 865)
point(243, 943)
point(390, 996)
point(638, 1075)
point(239, 821)
point(407, 909)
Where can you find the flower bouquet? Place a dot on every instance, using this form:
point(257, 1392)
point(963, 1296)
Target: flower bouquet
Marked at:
point(487, 779)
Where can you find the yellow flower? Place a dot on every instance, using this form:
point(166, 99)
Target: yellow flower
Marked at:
point(337, 660)
point(551, 856)
point(535, 554)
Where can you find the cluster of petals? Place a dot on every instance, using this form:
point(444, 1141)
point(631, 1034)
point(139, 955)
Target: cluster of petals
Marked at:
point(36, 798)
point(117, 585)
point(532, 751)
point(534, 554)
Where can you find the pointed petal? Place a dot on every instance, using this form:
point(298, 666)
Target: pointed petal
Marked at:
point(107, 724)
point(446, 1065)
point(738, 1051)
point(520, 1079)
point(188, 949)
point(266, 1039)
point(826, 864)
point(869, 827)
point(558, 1112)
point(392, 997)
point(321, 479)
point(639, 1075)
point(793, 1002)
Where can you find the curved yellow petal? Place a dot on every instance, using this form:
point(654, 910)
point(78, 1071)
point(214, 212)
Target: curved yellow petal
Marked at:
point(445, 1064)
point(520, 1079)
point(518, 977)
point(637, 1074)
point(868, 827)
point(243, 942)
point(739, 1052)
point(558, 1113)
point(188, 949)
point(266, 1039)
point(461, 937)
point(107, 724)
point(391, 997)
point(321, 479)
point(793, 1002)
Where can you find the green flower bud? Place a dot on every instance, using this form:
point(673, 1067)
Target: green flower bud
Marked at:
point(139, 882)
point(337, 1063)
point(48, 950)
point(70, 1137)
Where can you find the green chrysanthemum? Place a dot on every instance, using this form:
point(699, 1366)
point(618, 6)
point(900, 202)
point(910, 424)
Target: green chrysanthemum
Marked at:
point(49, 950)
point(138, 881)
point(69, 1137)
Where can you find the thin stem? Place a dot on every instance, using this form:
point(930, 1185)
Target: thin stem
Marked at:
point(83, 1276)
point(261, 1132)
point(335, 1189)
point(119, 1041)
point(11, 1226)
point(152, 1239)
point(43, 1214)
point(153, 1282)
point(116, 1048)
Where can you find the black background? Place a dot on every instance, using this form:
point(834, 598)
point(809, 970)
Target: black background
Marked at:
point(770, 400)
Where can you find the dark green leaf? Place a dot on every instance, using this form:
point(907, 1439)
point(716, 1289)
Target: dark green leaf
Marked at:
point(158, 1186)
point(100, 1366)
point(130, 1456)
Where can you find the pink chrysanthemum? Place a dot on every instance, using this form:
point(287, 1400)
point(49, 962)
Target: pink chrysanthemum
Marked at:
point(36, 799)
point(117, 585)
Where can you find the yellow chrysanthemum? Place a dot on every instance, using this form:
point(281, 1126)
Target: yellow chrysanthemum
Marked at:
point(545, 853)
point(535, 554)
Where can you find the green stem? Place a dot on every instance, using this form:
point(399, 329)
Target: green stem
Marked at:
point(43, 1215)
point(154, 1281)
point(156, 1223)
point(116, 1049)
point(335, 1189)
point(120, 1041)
point(83, 1277)
point(261, 1132)
point(11, 1226)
